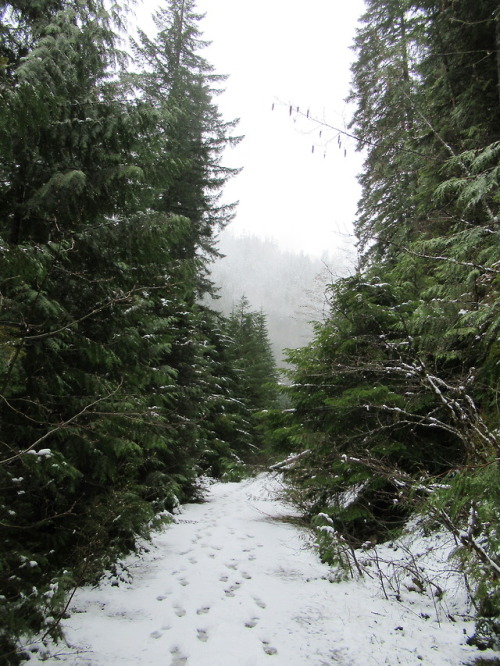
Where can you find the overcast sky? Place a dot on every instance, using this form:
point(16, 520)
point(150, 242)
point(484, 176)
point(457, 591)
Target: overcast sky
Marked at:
point(286, 52)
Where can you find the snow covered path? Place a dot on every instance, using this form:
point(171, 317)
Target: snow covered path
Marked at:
point(229, 584)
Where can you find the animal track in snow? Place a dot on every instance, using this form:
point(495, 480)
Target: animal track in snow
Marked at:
point(156, 634)
point(260, 603)
point(179, 611)
point(246, 575)
point(183, 581)
point(252, 622)
point(224, 578)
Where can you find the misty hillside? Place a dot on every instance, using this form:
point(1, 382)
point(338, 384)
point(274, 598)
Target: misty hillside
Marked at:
point(288, 287)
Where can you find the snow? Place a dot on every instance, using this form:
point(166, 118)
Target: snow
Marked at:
point(236, 581)
point(41, 452)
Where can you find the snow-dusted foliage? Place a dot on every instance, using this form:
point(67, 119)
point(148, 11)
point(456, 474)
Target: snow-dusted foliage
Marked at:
point(396, 397)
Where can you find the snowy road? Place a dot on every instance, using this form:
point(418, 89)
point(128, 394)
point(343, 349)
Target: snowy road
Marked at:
point(232, 585)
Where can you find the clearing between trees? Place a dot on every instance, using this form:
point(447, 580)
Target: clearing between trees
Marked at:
point(236, 580)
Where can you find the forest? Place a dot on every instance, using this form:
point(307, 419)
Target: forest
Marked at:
point(118, 387)
point(121, 385)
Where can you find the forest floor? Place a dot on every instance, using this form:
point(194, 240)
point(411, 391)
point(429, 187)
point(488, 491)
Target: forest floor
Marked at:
point(236, 581)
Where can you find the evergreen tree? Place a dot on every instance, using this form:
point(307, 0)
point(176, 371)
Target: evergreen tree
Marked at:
point(386, 124)
point(181, 84)
point(252, 356)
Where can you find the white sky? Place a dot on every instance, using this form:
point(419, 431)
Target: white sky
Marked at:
point(287, 52)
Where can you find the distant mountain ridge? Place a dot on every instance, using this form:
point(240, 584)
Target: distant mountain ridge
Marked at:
point(288, 287)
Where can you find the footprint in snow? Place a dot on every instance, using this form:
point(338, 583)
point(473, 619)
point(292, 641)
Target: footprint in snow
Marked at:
point(203, 610)
point(202, 635)
point(178, 659)
point(156, 634)
point(179, 611)
point(252, 622)
point(252, 558)
point(269, 649)
point(193, 560)
point(246, 575)
point(232, 565)
point(224, 578)
point(183, 581)
point(260, 603)
point(231, 590)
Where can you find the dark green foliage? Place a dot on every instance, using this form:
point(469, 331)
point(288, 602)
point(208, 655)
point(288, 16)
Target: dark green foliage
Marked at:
point(117, 388)
point(398, 392)
point(244, 384)
point(252, 356)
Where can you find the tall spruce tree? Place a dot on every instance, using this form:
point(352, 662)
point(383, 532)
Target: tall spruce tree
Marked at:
point(180, 84)
point(252, 356)
point(386, 124)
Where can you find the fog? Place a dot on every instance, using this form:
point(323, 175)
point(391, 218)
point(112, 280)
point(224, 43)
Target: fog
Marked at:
point(288, 287)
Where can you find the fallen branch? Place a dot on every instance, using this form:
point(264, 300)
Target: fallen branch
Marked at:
point(290, 460)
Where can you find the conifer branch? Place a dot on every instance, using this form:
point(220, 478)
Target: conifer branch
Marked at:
point(60, 426)
point(432, 257)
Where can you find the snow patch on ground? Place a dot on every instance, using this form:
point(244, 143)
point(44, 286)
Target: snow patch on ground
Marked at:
point(234, 582)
